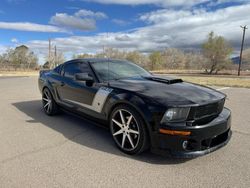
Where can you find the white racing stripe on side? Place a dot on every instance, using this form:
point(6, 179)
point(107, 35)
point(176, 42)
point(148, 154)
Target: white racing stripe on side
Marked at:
point(223, 88)
point(98, 102)
point(100, 98)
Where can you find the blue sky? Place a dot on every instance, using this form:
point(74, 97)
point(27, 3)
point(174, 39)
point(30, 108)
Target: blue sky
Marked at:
point(81, 26)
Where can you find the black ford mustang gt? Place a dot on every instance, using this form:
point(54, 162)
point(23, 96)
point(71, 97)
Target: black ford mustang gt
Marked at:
point(143, 111)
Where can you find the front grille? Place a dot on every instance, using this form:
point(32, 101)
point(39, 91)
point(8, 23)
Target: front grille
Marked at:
point(206, 113)
point(209, 109)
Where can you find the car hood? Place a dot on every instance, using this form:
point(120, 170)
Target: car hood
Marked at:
point(168, 91)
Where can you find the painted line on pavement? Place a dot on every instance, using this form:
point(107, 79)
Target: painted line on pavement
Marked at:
point(223, 88)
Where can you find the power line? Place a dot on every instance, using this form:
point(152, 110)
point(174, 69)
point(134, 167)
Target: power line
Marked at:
point(242, 45)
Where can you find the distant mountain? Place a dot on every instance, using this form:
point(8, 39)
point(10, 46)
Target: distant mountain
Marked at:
point(235, 60)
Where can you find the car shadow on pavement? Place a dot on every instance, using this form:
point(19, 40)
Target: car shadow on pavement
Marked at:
point(84, 132)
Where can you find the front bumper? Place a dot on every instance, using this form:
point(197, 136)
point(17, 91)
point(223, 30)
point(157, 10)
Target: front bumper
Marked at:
point(202, 140)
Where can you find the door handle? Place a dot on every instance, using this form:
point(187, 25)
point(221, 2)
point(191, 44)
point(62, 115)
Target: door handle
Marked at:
point(62, 83)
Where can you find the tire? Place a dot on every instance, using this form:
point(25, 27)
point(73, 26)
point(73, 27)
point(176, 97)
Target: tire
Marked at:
point(49, 105)
point(128, 130)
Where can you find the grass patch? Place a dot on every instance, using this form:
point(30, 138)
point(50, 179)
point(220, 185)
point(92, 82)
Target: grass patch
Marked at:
point(218, 81)
point(200, 72)
point(19, 73)
point(225, 81)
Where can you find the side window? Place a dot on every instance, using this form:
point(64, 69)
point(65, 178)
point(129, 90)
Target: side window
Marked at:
point(71, 69)
point(84, 67)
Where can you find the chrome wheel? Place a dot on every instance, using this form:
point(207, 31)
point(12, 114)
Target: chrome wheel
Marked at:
point(47, 101)
point(125, 130)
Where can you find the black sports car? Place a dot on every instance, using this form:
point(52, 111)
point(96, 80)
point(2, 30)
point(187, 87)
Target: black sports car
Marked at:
point(143, 111)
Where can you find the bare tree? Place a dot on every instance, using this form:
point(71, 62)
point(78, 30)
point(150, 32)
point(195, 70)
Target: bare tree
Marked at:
point(246, 56)
point(114, 53)
point(194, 60)
point(54, 60)
point(156, 60)
point(174, 58)
point(82, 56)
point(20, 57)
point(217, 50)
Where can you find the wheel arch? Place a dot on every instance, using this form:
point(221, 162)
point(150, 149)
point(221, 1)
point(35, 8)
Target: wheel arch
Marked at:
point(126, 103)
point(49, 86)
point(134, 102)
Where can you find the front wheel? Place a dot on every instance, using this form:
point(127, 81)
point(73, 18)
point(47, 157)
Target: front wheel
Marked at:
point(128, 130)
point(49, 105)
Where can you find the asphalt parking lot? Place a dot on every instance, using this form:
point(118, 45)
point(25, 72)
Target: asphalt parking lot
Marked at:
point(65, 151)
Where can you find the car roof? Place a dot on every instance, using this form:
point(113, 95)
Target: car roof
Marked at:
point(91, 60)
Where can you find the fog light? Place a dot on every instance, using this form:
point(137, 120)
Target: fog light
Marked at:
point(185, 144)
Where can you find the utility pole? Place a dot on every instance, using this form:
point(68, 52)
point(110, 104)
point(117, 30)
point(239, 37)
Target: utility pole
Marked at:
point(242, 45)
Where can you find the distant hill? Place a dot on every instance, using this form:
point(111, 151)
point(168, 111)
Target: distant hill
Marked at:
point(235, 60)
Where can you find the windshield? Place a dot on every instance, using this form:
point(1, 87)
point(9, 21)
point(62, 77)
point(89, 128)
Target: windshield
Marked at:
point(117, 69)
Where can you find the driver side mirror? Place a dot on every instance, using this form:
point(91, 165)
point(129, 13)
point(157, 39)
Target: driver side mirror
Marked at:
point(85, 77)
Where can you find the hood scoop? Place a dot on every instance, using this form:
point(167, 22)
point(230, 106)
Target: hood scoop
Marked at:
point(165, 80)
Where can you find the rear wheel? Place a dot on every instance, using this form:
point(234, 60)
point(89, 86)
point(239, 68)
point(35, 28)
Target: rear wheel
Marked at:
point(128, 130)
point(49, 105)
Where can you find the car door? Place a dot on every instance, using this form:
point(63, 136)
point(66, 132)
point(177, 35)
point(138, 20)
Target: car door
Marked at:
point(73, 92)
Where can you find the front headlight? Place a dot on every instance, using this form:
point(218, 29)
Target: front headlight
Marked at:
point(175, 115)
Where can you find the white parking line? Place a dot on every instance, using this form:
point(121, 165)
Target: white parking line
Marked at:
point(223, 88)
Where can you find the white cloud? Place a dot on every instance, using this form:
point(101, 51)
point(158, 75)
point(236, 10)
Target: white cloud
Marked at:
point(166, 28)
point(14, 40)
point(189, 28)
point(164, 15)
point(83, 20)
point(226, 1)
point(72, 8)
point(2, 49)
point(72, 22)
point(120, 22)
point(15, 1)
point(27, 26)
point(89, 13)
point(164, 3)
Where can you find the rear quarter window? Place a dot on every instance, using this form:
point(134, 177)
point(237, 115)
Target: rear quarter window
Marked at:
point(58, 69)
